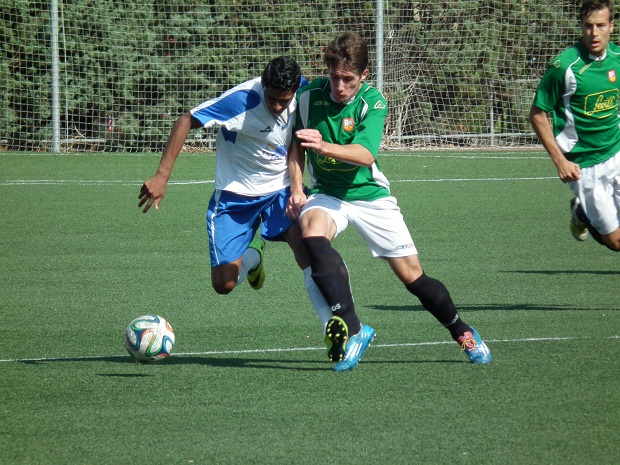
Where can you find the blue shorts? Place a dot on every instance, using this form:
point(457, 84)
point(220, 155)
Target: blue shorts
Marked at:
point(233, 219)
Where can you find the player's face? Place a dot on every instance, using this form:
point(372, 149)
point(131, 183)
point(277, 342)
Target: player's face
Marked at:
point(345, 83)
point(597, 29)
point(278, 100)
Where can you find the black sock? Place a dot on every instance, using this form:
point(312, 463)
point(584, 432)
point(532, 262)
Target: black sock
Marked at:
point(331, 276)
point(435, 298)
point(581, 216)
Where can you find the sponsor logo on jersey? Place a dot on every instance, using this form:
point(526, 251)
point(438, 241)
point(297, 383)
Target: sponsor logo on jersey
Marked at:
point(267, 129)
point(602, 104)
point(585, 68)
point(348, 124)
point(612, 75)
point(379, 105)
point(331, 164)
point(556, 64)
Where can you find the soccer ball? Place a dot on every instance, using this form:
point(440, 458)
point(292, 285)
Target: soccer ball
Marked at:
point(149, 339)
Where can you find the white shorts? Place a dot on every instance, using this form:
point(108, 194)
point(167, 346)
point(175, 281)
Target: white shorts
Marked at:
point(379, 222)
point(599, 193)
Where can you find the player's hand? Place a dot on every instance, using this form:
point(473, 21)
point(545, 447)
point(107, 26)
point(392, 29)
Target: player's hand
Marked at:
point(295, 203)
point(568, 171)
point(311, 139)
point(152, 192)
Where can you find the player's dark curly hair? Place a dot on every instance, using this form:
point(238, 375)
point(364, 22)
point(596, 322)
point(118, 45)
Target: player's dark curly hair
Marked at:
point(349, 50)
point(590, 6)
point(282, 73)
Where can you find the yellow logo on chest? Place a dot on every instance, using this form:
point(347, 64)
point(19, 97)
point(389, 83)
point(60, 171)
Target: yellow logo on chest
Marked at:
point(602, 104)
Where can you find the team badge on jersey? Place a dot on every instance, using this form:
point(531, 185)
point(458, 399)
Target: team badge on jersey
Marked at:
point(611, 75)
point(348, 124)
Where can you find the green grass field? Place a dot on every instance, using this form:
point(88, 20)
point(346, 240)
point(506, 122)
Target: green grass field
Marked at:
point(249, 381)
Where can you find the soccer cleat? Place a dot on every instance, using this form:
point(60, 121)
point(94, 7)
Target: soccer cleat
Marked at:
point(256, 277)
point(355, 349)
point(476, 350)
point(577, 228)
point(336, 336)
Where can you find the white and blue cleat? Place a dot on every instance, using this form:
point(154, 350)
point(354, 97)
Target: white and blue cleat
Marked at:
point(476, 349)
point(356, 346)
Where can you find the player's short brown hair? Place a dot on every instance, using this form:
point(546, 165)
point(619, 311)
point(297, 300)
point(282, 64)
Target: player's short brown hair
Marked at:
point(590, 6)
point(349, 50)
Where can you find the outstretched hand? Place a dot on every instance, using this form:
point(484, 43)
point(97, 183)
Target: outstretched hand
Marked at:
point(152, 192)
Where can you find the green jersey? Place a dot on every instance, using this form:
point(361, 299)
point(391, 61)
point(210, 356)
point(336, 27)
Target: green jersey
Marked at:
point(359, 121)
point(581, 91)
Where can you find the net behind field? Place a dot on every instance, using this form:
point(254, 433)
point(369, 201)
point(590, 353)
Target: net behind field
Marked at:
point(457, 74)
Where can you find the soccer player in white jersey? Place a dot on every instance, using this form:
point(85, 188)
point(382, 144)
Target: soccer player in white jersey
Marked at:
point(580, 89)
point(255, 121)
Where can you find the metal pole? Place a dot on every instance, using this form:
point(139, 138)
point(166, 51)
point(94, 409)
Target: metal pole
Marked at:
point(491, 113)
point(55, 77)
point(379, 45)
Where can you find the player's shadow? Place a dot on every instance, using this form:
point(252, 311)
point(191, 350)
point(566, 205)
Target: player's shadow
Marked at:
point(260, 363)
point(491, 307)
point(217, 362)
point(564, 272)
point(220, 362)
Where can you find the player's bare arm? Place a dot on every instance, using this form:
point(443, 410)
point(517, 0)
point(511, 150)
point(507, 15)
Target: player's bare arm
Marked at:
point(297, 199)
point(152, 191)
point(355, 154)
point(567, 170)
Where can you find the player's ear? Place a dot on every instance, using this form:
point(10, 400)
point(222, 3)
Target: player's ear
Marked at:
point(364, 75)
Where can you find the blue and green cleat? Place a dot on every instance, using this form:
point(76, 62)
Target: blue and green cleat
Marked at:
point(336, 337)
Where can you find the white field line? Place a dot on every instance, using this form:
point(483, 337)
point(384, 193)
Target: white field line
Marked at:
point(301, 349)
point(90, 182)
point(86, 182)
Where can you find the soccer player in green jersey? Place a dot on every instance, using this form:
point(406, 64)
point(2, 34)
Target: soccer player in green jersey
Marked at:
point(339, 127)
point(580, 89)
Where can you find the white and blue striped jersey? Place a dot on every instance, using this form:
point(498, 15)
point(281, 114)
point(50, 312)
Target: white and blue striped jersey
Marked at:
point(251, 144)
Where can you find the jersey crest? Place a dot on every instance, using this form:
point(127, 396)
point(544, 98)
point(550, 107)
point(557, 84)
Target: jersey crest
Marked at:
point(612, 75)
point(348, 124)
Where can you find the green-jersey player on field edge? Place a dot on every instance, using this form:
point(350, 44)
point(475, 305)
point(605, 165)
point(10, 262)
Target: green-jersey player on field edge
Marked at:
point(580, 89)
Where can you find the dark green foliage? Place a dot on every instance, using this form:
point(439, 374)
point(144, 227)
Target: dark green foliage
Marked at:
point(128, 69)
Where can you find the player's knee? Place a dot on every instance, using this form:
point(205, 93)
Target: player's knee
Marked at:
point(223, 287)
point(612, 241)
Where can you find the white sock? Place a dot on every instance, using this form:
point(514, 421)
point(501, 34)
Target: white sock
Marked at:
point(316, 298)
point(250, 260)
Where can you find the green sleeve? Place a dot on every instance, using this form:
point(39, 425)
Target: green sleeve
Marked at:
point(550, 88)
point(370, 132)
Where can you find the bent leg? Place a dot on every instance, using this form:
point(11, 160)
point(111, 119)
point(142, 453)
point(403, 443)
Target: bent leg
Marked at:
point(432, 293)
point(224, 277)
point(612, 241)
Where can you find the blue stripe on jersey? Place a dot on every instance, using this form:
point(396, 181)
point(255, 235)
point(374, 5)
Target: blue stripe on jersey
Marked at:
point(229, 136)
point(229, 106)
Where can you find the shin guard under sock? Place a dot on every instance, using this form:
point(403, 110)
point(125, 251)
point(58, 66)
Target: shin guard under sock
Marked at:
point(331, 276)
point(435, 298)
